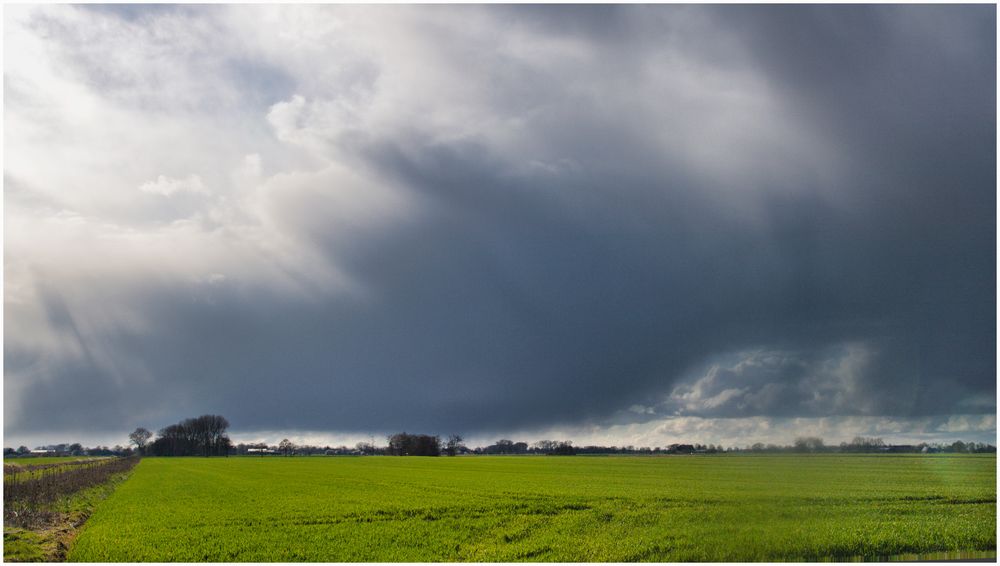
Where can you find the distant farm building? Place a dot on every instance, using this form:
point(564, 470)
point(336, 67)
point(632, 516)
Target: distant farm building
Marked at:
point(261, 451)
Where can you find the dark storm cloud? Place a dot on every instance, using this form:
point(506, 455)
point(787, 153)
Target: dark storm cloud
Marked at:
point(912, 94)
point(613, 272)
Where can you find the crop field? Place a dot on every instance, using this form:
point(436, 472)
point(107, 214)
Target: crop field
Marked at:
point(717, 508)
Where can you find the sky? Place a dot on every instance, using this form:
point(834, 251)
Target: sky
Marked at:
point(618, 225)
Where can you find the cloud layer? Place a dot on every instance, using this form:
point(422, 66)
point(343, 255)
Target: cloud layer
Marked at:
point(497, 218)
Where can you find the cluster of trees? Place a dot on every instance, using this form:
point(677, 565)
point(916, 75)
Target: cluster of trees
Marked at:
point(552, 447)
point(555, 447)
point(809, 444)
point(690, 449)
point(200, 436)
point(504, 446)
point(959, 446)
point(403, 444)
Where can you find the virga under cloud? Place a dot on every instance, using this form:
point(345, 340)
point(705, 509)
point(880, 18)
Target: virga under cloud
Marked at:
point(485, 218)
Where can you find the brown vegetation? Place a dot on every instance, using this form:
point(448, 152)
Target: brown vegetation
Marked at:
point(29, 494)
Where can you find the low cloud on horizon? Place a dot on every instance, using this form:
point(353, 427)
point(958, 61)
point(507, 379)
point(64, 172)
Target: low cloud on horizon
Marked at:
point(616, 224)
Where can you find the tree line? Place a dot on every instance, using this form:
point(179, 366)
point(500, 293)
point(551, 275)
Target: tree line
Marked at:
point(869, 445)
point(206, 436)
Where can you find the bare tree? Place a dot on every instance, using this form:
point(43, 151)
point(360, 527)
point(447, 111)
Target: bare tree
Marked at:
point(140, 437)
point(454, 445)
point(808, 444)
point(545, 445)
point(286, 447)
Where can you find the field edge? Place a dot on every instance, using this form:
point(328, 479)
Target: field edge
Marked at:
point(53, 541)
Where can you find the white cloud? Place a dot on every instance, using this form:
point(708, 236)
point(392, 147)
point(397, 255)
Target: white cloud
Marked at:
point(721, 398)
point(167, 186)
point(969, 423)
point(119, 105)
point(826, 381)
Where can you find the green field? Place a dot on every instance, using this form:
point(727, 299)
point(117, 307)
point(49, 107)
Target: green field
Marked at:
point(718, 508)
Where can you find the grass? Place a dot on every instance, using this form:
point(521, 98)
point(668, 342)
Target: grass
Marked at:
point(50, 541)
point(714, 508)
